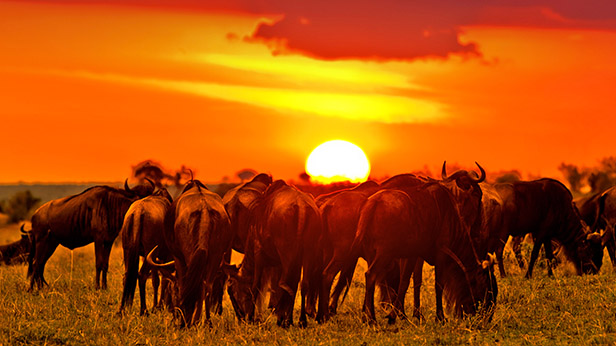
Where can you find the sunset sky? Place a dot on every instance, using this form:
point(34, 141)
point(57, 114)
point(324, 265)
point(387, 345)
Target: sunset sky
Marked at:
point(89, 88)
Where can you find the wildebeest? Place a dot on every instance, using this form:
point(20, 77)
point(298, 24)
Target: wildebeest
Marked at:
point(424, 223)
point(237, 203)
point(464, 186)
point(599, 212)
point(94, 215)
point(197, 234)
point(143, 229)
point(545, 208)
point(17, 251)
point(286, 226)
point(340, 215)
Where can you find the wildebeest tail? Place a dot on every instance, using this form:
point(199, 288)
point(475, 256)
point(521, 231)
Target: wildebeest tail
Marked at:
point(191, 289)
point(130, 243)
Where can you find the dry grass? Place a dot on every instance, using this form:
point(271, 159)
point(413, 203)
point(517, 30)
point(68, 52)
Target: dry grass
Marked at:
point(566, 309)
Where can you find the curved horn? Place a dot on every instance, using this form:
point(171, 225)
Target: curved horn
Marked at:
point(482, 177)
point(192, 177)
point(444, 171)
point(126, 186)
point(150, 260)
point(151, 183)
point(23, 231)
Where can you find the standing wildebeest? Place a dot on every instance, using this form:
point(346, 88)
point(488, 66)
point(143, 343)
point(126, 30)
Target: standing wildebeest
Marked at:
point(464, 186)
point(544, 208)
point(17, 251)
point(143, 229)
point(197, 234)
point(423, 223)
point(95, 215)
point(237, 203)
point(284, 236)
point(340, 214)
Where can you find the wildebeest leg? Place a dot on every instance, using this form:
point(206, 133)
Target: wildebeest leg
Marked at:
point(405, 271)
point(289, 280)
point(376, 271)
point(329, 273)
point(155, 286)
point(45, 247)
point(102, 250)
point(417, 279)
point(533, 258)
point(344, 280)
point(144, 272)
point(499, 258)
point(549, 254)
point(438, 292)
point(610, 243)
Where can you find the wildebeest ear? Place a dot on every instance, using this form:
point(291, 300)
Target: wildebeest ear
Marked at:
point(231, 270)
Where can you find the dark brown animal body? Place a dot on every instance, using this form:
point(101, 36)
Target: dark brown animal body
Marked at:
point(603, 212)
point(423, 223)
point(283, 239)
point(143, 229)
point(544, 208)
point(16, 252)
point(464, 187)
point(340, 214)
point(238, 201)
point(95, 215)
point(197, 234)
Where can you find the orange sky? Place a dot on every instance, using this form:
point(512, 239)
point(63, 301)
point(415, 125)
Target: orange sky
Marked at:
point(89, 88)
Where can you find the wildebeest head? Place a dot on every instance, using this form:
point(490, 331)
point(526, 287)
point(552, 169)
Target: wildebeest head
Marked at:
point(477, 292)
point(240, 293)
point(465, 187)
point(141, 190)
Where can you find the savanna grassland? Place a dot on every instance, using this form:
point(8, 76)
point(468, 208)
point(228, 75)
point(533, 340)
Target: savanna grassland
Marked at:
point(565, 309)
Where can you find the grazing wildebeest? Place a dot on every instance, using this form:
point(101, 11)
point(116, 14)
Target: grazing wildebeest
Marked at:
point(340, 214)
point(197, 234)
point(464, 186)
point(284, 236)
point(599, 212)
point(143, 229)
point(95, 215)
point(17, 251)
point(237, 203)
point(545, 208)
point(423, 223)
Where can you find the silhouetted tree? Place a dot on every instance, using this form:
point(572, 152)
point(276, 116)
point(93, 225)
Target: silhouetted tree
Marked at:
point(304, 178)
point(246, 174)
point(573, 175)
point(19, 206)
point(507, 177)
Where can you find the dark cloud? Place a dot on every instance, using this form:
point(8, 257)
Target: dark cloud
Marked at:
point(390, 29)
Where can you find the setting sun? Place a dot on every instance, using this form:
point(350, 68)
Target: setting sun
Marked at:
point(337, 160)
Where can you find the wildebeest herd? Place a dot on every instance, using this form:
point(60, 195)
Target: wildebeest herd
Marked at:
point(294, 242)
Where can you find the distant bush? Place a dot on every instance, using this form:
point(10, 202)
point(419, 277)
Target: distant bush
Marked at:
point(19, 206)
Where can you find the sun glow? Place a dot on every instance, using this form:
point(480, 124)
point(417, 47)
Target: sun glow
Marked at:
point(336, 161)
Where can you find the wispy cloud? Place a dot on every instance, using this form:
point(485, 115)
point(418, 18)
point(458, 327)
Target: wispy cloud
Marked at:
point(372, 107)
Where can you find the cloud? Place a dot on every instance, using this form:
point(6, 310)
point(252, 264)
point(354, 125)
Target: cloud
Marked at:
point(388, 29)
